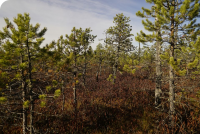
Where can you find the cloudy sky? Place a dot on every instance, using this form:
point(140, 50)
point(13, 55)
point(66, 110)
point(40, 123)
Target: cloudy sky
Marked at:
point(60, 16)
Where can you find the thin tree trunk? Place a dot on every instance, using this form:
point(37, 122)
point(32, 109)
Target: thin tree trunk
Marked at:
point(97, 76)
point(84, 71)
point(24, 122)
point(158, 90)
point(139, 52)
point(98, 72)
point(30, 87)
point(85, 65)
point(75, 97)
point(75, 103)
point(100, 69)
point(171, 73)
point(63, 95)
point(31, 114)
point(115, 65)
point(75, 100)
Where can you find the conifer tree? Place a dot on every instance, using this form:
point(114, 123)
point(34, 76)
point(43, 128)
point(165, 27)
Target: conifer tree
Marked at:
point(86, 39)
point(58, 56)
point(77, 45)
point(99, 57)
point(173, 14)
point(119, 38)
point(153, 27)
point(148, 55)
point(21, 48)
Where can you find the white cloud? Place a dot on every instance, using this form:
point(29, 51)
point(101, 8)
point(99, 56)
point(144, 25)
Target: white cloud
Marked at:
point(60, 16)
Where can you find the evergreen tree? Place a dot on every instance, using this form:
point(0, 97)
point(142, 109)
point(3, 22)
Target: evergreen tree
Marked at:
point(173, 14)
point(99, 57)
point(86, 39)
point(21, 48)
point(119, 38)
point(156, 36)
point(77, 45)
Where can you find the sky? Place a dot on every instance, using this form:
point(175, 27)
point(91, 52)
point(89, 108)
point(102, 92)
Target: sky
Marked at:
point(60, 16)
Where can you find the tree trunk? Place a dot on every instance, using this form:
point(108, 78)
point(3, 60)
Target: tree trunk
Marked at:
point(171, 73)
point(24, 113)
point(98, 72)
point(31, 114)
point(158, 90)
point(30, 90)
point(63, 105)
point(171, 94)
point(24, 123)
point(100, 69)
point(85, 67)
point(75, 97)
point(116, 65)
point(97, 76)
point(139, 52)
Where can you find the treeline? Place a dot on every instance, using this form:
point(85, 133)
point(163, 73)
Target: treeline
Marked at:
point(67, 87)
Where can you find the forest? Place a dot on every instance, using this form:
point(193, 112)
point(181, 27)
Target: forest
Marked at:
point(67, 87)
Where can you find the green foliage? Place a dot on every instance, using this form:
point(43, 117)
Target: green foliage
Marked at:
point(71, 56)
point(133, 71)
point(42, 96)
point(182, 12)
point(193, 64)
point(136, 62)
point(43, 104)
point(182, 72)
point(110, 78)
point(4, 74)
point(198, 94)
point(77, 81)
point(48, 88)
point(79, 75)
point(34, 70)
point(26, 104)
point(165, 56)
point(128, 69)
point(23, 65)
point(121, 33)
point(14, 67)
point(3, 100)
point(57, 93)
point(54, 83)
point(99, 54)
point(175, 64)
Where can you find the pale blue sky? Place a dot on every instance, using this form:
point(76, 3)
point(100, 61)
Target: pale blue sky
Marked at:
point(60, 16)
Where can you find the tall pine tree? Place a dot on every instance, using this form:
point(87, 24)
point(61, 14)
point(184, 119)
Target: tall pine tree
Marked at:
point(172, 14)
point(21, 46)
point(119, 38)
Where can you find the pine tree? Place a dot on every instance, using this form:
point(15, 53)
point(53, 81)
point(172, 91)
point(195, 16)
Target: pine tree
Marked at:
point(119, 38)
point(99, 57)
point(142, 37)
point(21, 48)
point(173, 14)
point(77, 44)
point(86, 39)
point(58, 57)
